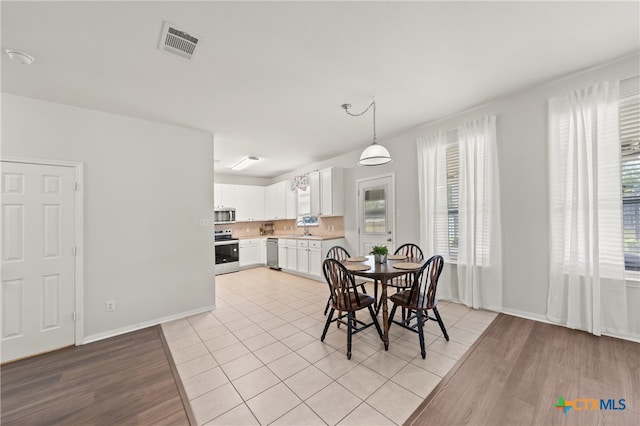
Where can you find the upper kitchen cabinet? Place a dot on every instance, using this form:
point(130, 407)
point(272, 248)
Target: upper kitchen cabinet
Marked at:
point(279, 201)
point(224, 195)
point(249, 202)
point(326, 192)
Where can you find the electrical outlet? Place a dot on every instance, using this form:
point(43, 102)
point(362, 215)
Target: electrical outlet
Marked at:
point(111, 306)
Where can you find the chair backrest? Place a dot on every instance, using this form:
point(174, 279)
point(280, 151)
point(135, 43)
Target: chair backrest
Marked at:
point(410, 250)
point(341, 284)
point(426, 280)
point(338, 253)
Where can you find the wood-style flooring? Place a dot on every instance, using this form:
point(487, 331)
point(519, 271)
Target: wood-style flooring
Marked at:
point(517, 370)
point(126, 379)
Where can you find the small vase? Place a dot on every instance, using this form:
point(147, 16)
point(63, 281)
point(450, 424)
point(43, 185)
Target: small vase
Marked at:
point(380, 258)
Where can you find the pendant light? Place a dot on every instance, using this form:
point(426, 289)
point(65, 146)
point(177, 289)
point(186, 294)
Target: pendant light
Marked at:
point(374, 154)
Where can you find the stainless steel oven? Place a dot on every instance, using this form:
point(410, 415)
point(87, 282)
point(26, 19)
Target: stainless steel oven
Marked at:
point(227, 252)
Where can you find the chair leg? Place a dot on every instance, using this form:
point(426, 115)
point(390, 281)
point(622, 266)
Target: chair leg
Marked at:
point(364, 290)
point(326, 325)
point(326, 308)
point(421, 333)
point(391, 315)
point(350, 320)
point(375, 322)
point(375, 295)
point(440, 323)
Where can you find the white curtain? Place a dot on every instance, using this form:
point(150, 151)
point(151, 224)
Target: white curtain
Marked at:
point(434, 214)
point(587, 287)
point(479, 231)
point(432, 189)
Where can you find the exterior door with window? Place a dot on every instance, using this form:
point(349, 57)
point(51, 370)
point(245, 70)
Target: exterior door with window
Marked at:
point(376, 213)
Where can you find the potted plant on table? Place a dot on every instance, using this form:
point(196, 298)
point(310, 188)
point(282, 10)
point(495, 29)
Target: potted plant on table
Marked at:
point(380, 253)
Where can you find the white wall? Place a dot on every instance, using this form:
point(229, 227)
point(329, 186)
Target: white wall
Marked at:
point(146, 187)
point(522, 143)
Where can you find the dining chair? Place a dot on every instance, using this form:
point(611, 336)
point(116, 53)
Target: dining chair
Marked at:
point(340, 253)
point(346, 298)
point(403, 282)
point(419, 299)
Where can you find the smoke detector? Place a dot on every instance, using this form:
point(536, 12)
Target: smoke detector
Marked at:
point(177, 41)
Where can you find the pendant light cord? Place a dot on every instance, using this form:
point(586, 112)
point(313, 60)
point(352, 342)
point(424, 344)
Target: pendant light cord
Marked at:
point(372, 104)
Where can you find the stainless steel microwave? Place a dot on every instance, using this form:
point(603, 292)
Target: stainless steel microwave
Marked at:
point(224, 215)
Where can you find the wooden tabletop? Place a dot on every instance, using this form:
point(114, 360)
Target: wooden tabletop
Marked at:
point(384, 271)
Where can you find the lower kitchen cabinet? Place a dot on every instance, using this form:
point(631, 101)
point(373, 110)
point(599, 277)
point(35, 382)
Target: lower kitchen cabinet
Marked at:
point(304, 256)
point(252, 252)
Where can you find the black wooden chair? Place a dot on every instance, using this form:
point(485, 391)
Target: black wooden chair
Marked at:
point(340, 253)
point(404, 282)
point(419, 299)
point(346, 298)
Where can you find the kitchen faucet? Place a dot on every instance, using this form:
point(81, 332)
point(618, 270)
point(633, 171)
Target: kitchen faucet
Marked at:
point(305, 227)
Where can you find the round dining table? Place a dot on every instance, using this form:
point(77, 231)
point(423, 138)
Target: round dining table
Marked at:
point(382, 272)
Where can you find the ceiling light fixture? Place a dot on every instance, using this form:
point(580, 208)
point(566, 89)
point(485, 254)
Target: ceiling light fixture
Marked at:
point(244, 163)
point(20, 57)
point(374, 154)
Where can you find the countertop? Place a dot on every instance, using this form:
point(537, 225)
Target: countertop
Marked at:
point(295, 237)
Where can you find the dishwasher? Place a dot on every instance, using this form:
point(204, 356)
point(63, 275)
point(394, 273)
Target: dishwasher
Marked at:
point(272, 253)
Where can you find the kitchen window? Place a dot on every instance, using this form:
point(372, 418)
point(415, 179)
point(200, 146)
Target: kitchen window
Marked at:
point(630, 177)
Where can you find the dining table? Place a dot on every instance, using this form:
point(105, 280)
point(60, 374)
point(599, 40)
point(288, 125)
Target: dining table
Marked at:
point(395, 266)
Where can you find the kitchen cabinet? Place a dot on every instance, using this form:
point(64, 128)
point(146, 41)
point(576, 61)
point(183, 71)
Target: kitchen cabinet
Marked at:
point(292, 255)
point(248, 200)
point(224, 195)
point(305, 256)
point(279, 201)
point(309, 255)
point(263, 251)
point(282, 253)
point(249, 252)
point(326, 192)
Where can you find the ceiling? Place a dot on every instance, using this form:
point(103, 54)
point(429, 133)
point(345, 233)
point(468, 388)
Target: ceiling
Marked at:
point(269, 77)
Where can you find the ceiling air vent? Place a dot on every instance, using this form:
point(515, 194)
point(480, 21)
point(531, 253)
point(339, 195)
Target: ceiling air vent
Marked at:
point(177, 41)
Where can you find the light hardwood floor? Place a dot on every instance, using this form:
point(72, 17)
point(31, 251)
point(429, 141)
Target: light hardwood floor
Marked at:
point(517, 370)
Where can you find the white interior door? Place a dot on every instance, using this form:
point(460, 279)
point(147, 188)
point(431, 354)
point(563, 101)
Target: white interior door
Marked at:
point(38, 258)
point(376, 213)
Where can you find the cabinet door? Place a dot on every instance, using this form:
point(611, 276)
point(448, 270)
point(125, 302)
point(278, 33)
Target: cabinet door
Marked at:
point(282, 257)
point(291, 200)
point(303, 257)
point(256, 202)
point(315, 262)
point(217, 201)
point(315, 193)
point(280, 200)
point(292, 258)
point(270, 202)
point(262, 254)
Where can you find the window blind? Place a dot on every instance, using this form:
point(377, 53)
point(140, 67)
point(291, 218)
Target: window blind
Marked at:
point(630, 176)
point(453, 192)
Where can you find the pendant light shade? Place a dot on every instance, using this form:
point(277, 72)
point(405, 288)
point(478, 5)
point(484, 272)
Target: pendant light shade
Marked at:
point(374, 154)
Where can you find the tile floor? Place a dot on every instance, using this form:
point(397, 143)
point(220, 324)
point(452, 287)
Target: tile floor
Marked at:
point(258, 359)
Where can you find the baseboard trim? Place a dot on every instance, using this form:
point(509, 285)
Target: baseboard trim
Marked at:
point(113, 333)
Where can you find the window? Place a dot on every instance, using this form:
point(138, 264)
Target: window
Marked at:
point(308, 220)
point(375, 211)
point(453, 172)
point(630, 170)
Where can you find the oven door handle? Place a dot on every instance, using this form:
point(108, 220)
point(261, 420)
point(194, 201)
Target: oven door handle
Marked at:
point(224, 243)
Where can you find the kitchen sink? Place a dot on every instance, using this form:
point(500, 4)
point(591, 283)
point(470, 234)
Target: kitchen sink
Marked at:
point(310, 237)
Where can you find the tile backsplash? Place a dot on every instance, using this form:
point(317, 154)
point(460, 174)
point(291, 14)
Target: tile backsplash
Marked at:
point(327, 227)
